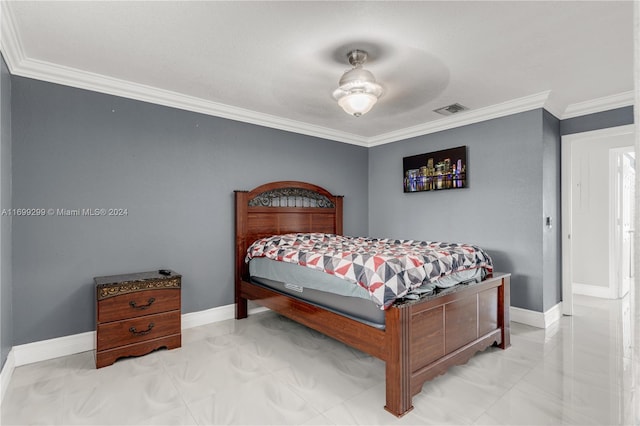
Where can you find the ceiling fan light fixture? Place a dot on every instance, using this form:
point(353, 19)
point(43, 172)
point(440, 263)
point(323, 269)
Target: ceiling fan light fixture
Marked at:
point(358, 90)
point(357, 103)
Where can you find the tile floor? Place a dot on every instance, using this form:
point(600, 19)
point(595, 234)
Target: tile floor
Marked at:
point(269, 370)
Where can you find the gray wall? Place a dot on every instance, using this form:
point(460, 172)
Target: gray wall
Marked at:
point(600, 120)
point(6, 316)
point(551, 202)
point(503, 208)
point(174, 171)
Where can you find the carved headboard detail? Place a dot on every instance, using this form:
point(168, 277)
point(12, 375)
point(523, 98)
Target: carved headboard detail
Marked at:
point(291, 197)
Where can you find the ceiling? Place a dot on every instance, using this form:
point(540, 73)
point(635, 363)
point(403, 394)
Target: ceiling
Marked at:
point(276, 63)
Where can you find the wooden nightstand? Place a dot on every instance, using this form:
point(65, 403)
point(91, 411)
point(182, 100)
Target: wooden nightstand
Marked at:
point(136, 314)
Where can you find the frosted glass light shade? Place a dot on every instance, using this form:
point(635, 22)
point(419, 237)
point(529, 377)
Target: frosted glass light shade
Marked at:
point(357, 104)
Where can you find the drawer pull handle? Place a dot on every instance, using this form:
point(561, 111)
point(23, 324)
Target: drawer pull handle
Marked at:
point(142, 307)
point(143, 332)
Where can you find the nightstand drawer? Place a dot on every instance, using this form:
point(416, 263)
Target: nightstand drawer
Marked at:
point(139, 303)
point(129, 331)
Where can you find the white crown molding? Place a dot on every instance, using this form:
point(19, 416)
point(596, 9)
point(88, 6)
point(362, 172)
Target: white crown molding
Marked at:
point(553, 107)
point(598, 105)
point(67, 76)
point(503, 109)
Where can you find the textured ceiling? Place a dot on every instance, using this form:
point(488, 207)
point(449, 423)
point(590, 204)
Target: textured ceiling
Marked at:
point(278, 62)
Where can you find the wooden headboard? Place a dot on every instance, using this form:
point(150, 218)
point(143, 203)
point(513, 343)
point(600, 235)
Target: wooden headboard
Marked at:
point(280, 208)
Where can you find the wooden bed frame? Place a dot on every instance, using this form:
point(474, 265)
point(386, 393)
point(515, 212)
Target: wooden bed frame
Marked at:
point(421, 339)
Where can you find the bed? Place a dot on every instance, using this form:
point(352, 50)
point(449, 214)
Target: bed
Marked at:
point(417, 339)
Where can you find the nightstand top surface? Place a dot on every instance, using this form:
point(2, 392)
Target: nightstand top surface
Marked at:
point(138, 276)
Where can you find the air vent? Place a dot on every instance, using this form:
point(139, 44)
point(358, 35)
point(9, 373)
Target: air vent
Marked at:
point(451, 109)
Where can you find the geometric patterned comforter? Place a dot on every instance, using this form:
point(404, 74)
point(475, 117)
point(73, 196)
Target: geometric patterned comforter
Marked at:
point(387, 268)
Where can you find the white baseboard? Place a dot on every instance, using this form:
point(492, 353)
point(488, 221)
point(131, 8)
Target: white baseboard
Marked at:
point(593, 290)
point(6, 373)
point(54, 348)
point(208, 316)
point(82, 342)
point(76, 343)
point(534, 318)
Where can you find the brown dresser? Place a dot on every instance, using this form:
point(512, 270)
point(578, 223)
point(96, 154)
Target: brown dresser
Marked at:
point(136, 314)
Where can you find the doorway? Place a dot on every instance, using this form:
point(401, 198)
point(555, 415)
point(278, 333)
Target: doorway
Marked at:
point(588, 264)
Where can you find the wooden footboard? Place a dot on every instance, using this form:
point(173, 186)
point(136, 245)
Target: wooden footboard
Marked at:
point(425, 338)
point(421, 339)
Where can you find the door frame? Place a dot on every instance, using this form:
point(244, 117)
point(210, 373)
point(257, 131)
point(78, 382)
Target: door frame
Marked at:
point(565, 176)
